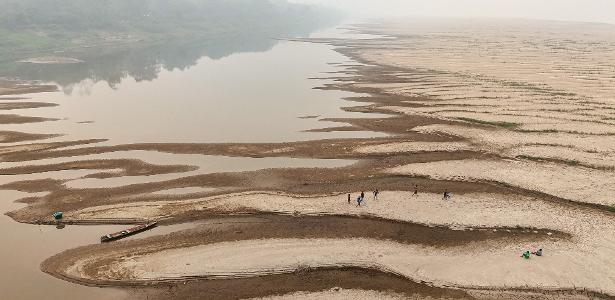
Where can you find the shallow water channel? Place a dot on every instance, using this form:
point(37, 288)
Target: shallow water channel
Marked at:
point(239, 97)
point(244, 97)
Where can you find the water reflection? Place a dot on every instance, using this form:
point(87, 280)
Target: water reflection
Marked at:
point(244, 97)
point(143, 62)
point(28, 245)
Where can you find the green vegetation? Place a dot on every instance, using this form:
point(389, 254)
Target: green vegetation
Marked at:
point(508, 125)
point(139, 38)
point(151, 16)
point(58, 27)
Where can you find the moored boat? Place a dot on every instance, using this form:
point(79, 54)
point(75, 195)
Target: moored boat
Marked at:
point(127, 232)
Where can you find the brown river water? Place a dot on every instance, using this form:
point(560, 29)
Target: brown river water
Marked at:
point(250, 96)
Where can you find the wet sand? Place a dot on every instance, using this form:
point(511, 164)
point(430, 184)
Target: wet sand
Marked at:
point(527, 158)
point(13, 87)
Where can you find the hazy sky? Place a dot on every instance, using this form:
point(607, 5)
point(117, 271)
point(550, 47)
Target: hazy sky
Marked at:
point(577, 10)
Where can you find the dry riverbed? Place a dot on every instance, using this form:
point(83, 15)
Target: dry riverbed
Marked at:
point(527, 153)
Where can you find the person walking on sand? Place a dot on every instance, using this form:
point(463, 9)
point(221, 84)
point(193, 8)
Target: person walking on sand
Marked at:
point(416, 190)
point(447, 195)
point(359, 200)
point(348, 198)
point(376, 192)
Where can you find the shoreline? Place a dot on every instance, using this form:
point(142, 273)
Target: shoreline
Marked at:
point(423, 135)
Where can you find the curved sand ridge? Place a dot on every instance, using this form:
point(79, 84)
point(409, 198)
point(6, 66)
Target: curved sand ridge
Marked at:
point(344, 294)
point(485, 267)
point(569, 148)
point(464, 211)
point(340, 294)
point(566, 182)
point(496, 139)
point(583, 261)
point(413, 147)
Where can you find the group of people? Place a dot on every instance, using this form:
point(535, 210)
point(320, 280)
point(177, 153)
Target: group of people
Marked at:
point(446, 196)
point(527, 254)
point(361, 197)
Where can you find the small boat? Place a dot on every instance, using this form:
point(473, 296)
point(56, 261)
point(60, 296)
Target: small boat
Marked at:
point(127, 232)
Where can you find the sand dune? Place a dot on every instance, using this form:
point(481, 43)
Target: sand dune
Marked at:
point(567, 182)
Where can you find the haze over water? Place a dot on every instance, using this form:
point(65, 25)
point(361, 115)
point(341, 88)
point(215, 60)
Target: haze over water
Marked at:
point(257, 86)
point(244, 88)
point(242, 97)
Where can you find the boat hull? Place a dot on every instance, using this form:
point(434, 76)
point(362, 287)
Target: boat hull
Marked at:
point(126, 233)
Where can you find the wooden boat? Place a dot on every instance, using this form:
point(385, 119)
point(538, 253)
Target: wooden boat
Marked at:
point(127, 232)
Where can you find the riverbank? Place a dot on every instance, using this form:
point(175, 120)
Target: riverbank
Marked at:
point(526, 158)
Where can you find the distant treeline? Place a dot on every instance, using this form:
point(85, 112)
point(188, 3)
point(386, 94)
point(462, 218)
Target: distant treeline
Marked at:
point(155, 16)
point(119, 38)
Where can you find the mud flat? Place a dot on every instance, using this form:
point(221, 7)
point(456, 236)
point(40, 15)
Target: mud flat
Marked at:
point(12, 87)
point(522, 138)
